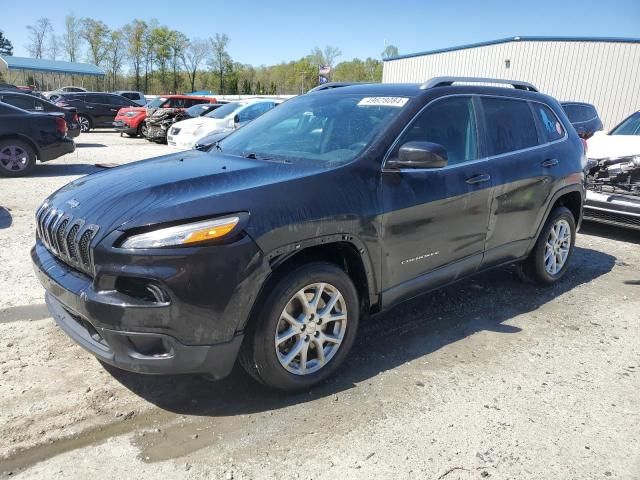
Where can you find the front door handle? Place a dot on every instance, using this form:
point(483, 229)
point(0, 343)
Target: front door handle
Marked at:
point(550, 162)
point(478, 179)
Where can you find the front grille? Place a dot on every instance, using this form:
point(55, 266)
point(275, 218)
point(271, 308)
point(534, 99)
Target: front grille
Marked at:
point(66, 237)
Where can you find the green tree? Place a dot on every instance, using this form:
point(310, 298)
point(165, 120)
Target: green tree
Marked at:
point(96, 34)
point(134, 34)
point(72, 38)
point(389, 51)
point(161, 41)
point(6, 48)
point(192, 58)
point(220, 58)
point(178, 44)
point(38, 34)
point(115, 52)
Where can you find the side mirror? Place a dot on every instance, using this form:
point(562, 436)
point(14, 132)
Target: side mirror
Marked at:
point(236, 119)
point(420, 155)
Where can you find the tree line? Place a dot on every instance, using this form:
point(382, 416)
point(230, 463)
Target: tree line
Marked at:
point(153, 58)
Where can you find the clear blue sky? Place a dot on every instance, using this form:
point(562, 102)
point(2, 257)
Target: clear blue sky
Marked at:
point(268, 32)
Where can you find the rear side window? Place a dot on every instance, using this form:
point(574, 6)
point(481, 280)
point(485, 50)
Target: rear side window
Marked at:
point(451, 123)
point(20, 102)
point(552, 129)
point(510, 125)
point(579, 113)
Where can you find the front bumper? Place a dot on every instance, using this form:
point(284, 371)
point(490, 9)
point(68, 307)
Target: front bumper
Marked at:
point(122, 127)
point(613, 209)
point(155, 133)
point(57, 149)
point(198, 329)
point(149, 353)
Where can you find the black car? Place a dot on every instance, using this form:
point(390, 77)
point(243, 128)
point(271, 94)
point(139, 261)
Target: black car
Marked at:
point(95, 109)
point(34, 104)
point(584, 118)
point(337, 204)
point(28, 136)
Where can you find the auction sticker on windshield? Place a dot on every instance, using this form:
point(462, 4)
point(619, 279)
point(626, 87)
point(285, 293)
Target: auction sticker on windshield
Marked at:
point(384, 101)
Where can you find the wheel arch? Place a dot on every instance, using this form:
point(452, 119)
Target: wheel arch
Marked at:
point(344, 250)
point(571, 197)
point(25, 139)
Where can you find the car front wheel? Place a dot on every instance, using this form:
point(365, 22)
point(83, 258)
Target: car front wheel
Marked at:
point(304, 329)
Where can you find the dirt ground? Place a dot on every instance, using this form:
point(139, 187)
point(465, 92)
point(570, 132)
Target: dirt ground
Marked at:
point(489, 378)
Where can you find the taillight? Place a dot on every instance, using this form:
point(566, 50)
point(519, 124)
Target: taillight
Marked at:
point(61, 126)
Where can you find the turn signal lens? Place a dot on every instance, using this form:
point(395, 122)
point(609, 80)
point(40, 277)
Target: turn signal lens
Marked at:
point(211, 233)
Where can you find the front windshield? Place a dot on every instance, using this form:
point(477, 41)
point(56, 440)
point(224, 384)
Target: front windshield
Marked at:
point(326, 127)
point(630, 126)
point(225, 110)
point(156, 102)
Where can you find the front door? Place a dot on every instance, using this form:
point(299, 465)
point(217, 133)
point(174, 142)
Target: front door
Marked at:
point(435, 222)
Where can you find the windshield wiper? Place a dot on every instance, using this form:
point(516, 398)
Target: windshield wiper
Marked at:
point(257, 156)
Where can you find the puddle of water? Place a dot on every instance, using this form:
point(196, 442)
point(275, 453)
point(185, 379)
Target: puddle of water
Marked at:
point(24, 313)
point(22, 459)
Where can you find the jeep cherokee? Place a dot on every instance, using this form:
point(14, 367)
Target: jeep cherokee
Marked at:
point(337, 204)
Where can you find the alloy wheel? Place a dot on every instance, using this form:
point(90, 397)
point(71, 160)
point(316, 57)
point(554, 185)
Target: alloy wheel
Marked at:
point(557, 247)
point(85, 125)
point(14, 158)
point(311, 328)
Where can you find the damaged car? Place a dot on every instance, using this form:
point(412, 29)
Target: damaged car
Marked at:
point(159, 123)
point(613, 175)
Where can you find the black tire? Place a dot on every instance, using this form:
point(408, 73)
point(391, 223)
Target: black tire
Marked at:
point(142, 130)
point(17, 158)
point(533, 268)
point(85, 123)
point(259, 356)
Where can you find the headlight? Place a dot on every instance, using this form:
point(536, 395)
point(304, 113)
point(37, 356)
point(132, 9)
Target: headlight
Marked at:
point(132, 114)
point(183, 234)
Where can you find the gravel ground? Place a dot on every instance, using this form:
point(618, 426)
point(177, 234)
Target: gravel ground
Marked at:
point(489, 378)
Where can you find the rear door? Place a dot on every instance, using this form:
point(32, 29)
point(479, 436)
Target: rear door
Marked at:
point(522, 171)
point(435, 225)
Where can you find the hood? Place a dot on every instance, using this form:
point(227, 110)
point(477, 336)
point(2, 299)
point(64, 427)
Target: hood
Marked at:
point(203, 125)
point(602, 145)
point(174, 187)
point(124, 110)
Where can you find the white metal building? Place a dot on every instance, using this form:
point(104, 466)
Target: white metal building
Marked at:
point(601, 71)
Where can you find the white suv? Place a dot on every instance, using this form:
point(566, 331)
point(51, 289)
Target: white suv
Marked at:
point(185, 134)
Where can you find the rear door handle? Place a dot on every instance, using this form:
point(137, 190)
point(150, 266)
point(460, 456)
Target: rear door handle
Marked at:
point(478, 179)
point(550, 162)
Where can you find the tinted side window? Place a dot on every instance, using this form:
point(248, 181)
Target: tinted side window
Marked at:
point(451, 123)
point(580, 113)
point(552, 129)
point(510, 125)
point(20, 102)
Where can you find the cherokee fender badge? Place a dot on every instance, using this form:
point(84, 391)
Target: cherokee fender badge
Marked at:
point(419, 257)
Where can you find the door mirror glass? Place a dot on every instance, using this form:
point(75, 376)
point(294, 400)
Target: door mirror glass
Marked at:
point(236, 118)
point(420, 155)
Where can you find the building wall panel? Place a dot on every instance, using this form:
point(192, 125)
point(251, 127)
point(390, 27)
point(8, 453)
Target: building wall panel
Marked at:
point(603, 73)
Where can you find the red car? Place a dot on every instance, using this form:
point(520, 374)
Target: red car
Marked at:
point(130, 120)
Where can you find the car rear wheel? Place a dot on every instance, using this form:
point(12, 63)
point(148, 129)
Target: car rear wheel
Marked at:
point(85, 123)
point(548, 261)
point(16, 158)
point(304, 329)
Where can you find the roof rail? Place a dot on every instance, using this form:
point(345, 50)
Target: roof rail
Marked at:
point(330, 85)
point(448, 81)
